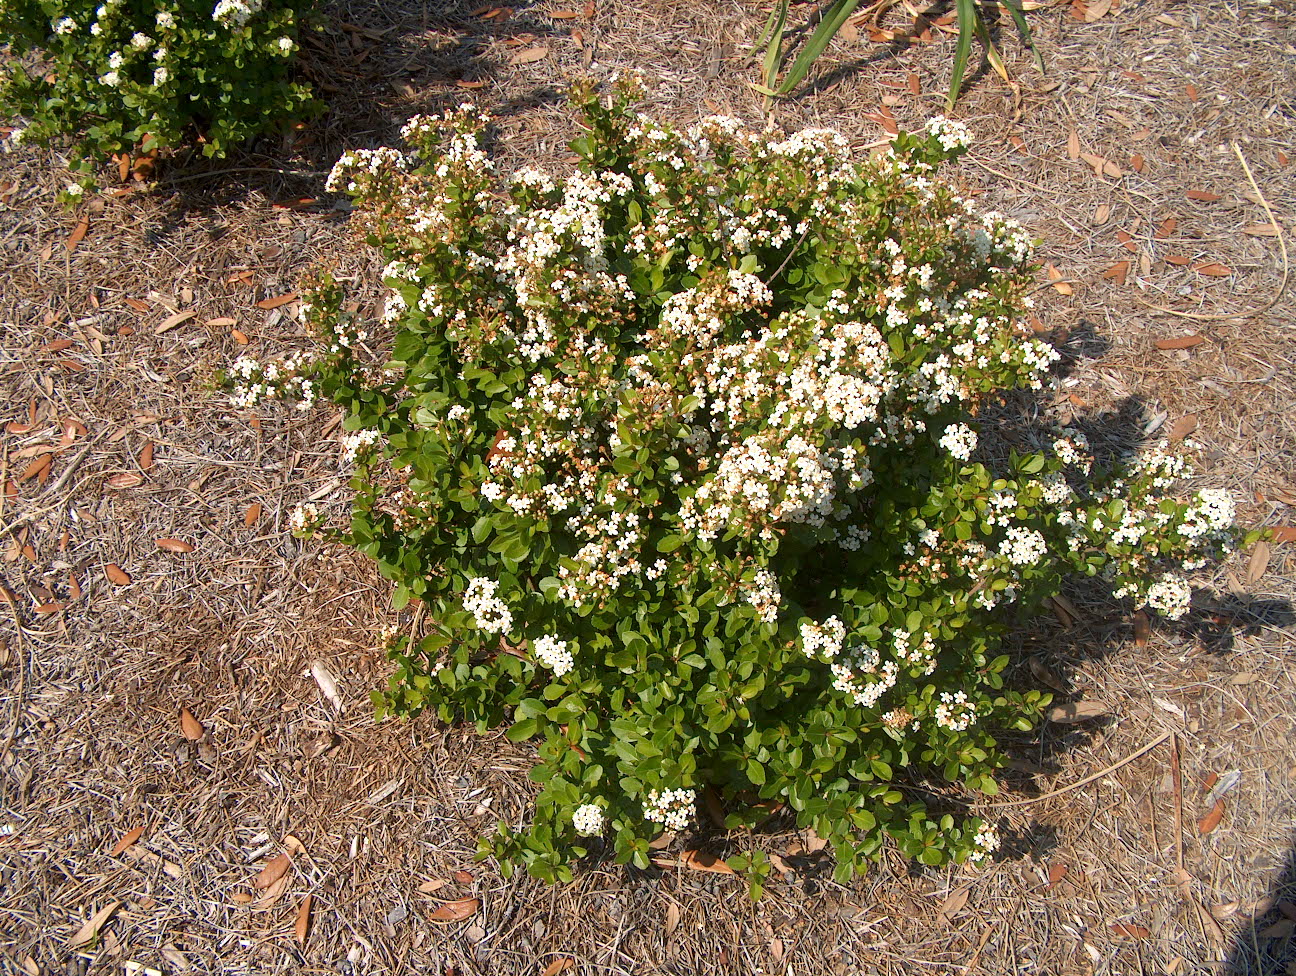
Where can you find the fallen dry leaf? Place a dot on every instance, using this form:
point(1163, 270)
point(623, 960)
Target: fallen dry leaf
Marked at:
point(328, 686)
point(1178, 259)
point(117, 575)
point(174, 545)
point(531, 55)
point(1071, 712)
point(1261, 230)
point(1055, 277)
point(559, 965)
point(702, 861)
point(463, 877)
point(1130, 931)
point(241, 898)
point(1180, 342)
point(1205, 196)
point(146, 455)
point(1214, 269)
point(274, 869)
point(1095, 10)
point(239, 336)
point(456, 911)
point(1043, 674)
point(1244, 678)
point(284, 299)
point(1118, 272)
point(1073, 145)
point(954, 904)
point(190, 727)
point(1280, 929)
point(1182, 427)
point(90, 931)
point(1056, 873)
point(1212, 819)
point(127, 479)
point(38, 468)
point(171, 321)
point(1166, 228)
point(1283, 533)
point(1258, 563)
point(1142, 629)
point(672, 917)
point(302, 928)
point(130, 838)
point(78, 234)
point(252, 514)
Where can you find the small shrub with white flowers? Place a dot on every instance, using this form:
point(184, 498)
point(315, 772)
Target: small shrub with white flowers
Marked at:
point(680, 452)
point(122, 76)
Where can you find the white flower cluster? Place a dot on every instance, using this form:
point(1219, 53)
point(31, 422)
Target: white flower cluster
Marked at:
point(955, 712)
point(354, 444)
point(358, 163)
point(673, 809)
point(255, 381)
point(490, 612)
point(764, 594)
point(862, 675)
point(1023, 547)
point(959, 440)
point(303, 517)
point(65, 25)
point(823, 640)
point(553, 653)
point(236, 12)
point(950, 134)
point(984, 844)
point(1170, 597)
point(165, 20)
point(588, 820)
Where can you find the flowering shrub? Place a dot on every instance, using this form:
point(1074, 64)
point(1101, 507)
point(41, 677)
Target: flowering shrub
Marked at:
point(121, 74)
point(680, 452)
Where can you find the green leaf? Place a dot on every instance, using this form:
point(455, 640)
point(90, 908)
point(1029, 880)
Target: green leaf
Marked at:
point(823, 34)
point(968, 19)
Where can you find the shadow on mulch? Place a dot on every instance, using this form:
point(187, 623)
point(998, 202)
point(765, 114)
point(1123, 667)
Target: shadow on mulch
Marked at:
point(373, 66)
point(1266, 947)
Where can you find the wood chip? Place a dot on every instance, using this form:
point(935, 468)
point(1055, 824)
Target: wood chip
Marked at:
point(1180, 342)
point(1070, 713)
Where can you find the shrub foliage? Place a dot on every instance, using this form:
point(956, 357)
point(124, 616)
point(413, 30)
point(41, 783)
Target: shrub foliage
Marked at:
point(118, 75)
point(680, 451)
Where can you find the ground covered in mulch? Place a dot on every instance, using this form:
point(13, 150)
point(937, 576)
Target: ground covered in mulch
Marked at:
point(166, 657)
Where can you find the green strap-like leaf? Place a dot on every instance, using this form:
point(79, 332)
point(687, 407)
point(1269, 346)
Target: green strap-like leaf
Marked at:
point(968, 18)
point(825, 32)
point(1019, 18)
point(774, 53)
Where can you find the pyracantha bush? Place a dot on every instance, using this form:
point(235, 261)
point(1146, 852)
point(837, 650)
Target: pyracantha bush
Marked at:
point(120, 75)
point(680, 453)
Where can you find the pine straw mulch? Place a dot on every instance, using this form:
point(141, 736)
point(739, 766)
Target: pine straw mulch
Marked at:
point(381, 818)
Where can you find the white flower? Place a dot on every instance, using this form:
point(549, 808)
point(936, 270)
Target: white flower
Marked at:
point(111, 79)
point(75, 189)
point(160, 76)
point(285, 45)
point(986, 841)
point(116, 60)
point(165, 20)
point(140, 41)
point(588, 820)
point(66, 25)
point(96, 30)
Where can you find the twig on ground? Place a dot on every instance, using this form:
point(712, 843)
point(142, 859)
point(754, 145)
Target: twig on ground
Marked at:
point(1088, 779)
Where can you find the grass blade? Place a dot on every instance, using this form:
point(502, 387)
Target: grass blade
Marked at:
point(825, 32)
point(992, 53)
point(968, 18)
point(1019, 18)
